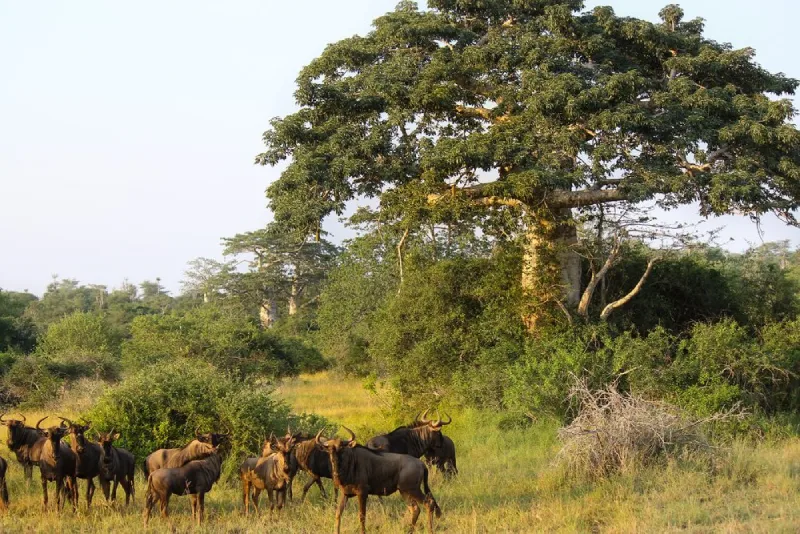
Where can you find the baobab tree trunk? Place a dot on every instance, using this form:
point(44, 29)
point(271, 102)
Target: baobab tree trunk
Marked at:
point(268, 313)
point(551, 267)
point(293, 300)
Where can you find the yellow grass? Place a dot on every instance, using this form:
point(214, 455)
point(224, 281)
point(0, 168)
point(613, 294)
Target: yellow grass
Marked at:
point(507, 483)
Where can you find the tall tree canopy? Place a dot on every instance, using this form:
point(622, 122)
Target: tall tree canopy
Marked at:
point(490, 110)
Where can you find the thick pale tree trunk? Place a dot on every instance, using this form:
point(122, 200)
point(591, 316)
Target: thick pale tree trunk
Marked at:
point(268, 313)
point(293, 300)
point(551, 268)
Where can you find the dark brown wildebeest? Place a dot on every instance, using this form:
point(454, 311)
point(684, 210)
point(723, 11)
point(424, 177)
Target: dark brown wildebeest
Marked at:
point(443, 457)
point(117, 465)
point(196, 478)
point(271, 473)
point(57, 463)
point(415, 439)
point(360, 472)
point(88, 454)
point(213, 438)
point(3, 486)
point(309, 457)
point(21, 441)
point(195, 450)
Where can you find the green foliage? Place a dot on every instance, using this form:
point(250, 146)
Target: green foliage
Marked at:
point(31, 381)
point(222, 335)
point(16, 331)
point(455, 318)
point(78, 345)
point(162, 405)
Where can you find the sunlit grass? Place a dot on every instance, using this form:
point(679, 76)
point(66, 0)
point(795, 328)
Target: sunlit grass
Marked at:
point(507, 483)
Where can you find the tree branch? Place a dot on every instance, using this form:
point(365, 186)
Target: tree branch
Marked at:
point(400, 246)
point(633, 292)
point(588, 293)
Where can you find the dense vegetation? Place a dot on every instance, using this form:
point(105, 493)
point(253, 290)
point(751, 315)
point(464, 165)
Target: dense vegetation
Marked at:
point(511, 146)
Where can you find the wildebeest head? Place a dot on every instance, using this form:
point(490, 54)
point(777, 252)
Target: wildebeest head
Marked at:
point(213, 438)
point(54, 435)
point(335, 446)
point(106, 441)
point(16, 428)
point(77, 434)
point(431, 429)
point(279, 448)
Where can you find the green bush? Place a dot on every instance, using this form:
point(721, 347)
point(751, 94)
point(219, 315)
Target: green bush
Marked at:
point(162, 405)
point(31, 382)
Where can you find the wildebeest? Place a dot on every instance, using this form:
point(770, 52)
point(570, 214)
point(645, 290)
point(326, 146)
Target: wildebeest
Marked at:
point(3, 486)
point(359, 471)
point(196, 478)
point(415, 439)
point(57, 463)
point(88, 455)
point(22, 442)
point(116, 465)
point(443, 457)
point(195, 450)
point(270, 473)
point(213, 438)
point(315, 461)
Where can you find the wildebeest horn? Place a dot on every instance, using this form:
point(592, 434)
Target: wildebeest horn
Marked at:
point(352, 434)
point(23, 418)
point(66, 420)
point(40, 422)
point(318, 438)
point(423, 417)
point(111, 433)
point(1, 417)
point(197, 431)
point(449, 420)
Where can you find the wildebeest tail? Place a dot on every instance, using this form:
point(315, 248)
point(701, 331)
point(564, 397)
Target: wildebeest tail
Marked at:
point(144, 468)
point(4, 492)
point(428, 494)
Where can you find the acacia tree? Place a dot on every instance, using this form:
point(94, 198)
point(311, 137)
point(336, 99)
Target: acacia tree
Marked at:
point(280, 268)
point(490, 109)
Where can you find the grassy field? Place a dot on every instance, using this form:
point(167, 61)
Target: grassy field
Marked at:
point(508, 482)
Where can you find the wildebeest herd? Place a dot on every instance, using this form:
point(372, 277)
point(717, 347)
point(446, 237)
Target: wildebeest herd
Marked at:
point(388, 463)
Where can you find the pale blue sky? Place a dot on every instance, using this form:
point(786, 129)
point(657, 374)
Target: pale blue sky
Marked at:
point(128, 129)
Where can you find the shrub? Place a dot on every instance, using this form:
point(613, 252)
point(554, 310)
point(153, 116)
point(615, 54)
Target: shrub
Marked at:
point(161, 406)
point(79, 332)
point(30, 381)
point(614, 431)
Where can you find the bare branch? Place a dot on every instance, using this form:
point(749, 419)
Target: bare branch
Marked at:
point(588, 293)
point(633, 292)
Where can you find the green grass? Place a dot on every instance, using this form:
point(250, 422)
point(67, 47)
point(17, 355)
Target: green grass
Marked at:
point(508, 482)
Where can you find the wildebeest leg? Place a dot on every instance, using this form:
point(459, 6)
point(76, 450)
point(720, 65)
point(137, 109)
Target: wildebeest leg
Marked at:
point(362, 511)
point(289, 487)
point(105, 483)
point(3, 494)
point(271, 501)
point(246, 496)
point(308, 486)
point(149, 501)
point(202, 511)
point(194, 497)
point(339, 510)
point(89, 492)
point(44, 494)
point(28, 468)
point(165, 505)
point(59, 493)
point(413, 499)
point(281, 496)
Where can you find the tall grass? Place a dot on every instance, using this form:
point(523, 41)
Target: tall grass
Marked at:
point(508, 482)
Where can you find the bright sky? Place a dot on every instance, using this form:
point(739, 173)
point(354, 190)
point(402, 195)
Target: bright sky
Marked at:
point(128, 129)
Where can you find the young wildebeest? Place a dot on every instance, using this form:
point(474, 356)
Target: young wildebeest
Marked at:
point(116, 464)
point(3, 487)
point(415, 439)
point(271, 473)
point(57, 463)
point(196, 478)
point(21, 441)
point(88, 456)
point(307, 456)
point(359, 472)
point(195, 450)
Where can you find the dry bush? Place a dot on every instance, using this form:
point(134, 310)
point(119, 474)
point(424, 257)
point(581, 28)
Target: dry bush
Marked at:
point(617, 431)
